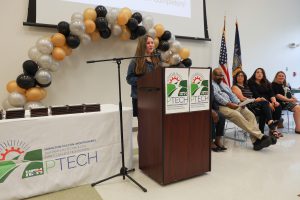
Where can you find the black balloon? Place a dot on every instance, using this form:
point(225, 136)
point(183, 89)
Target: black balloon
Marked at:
point(25, 81)
point(101, 11)
point(141, 30)
point(63, 28)
point(134, 35)
point(30, 67)
point(101, 23)
point(166, 35)
point(137, 16)
point(73, 41)
point(105, 33)
point(163, 45)
point(187, 62)
point(132, 24)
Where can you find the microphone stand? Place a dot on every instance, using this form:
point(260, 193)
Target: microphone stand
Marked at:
point(123, 171)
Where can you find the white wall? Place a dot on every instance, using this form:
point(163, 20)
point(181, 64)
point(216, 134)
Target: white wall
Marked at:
point(266, 28)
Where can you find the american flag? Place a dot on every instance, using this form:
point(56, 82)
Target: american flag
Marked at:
point(237, 55)
point(223, 59)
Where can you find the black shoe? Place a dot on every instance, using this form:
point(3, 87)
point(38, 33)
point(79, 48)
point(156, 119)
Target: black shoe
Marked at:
point(222, 148)
point(273, 124)
point(264, 142)
point(215, 149)
point(273, 139)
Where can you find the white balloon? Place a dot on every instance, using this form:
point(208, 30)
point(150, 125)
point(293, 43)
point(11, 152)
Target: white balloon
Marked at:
point(152, 32)
point(116, 30)
point(33, 104)
point(172, 39)
point(175, 46)
point(44, 45)
point(85, 39)
point(112, 15)
point(45, 61)
point(43, 76)
point(16, 99)
point(77, 16)
point(6, 105)
point(77, 27)
point(148, 22)
point(34, 53)
point(175, 59)
point(54, 67)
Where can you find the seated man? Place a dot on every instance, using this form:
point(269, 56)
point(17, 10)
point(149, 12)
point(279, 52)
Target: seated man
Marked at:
point(241, 116)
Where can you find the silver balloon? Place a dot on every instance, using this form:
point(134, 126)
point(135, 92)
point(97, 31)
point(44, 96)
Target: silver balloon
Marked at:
point(112, 15)
point(152, 32)
point(45, 61)
point(6, 105)
point(163, 64)
point(44, 45)
point(85, 39)
point(175, 46)
point(16, 99)
point(43, 76)
point(148, 22)
point(116, 30)
point(33, 104)
point(54, 67)
point(175, 59)
point(165, 56)
point(77, 27)
point(34, 53)
point(77, 16)
point(172, 39)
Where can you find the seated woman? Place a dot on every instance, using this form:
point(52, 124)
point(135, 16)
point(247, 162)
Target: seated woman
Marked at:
point(261, 87)
point(260, 106)
point(285, 98)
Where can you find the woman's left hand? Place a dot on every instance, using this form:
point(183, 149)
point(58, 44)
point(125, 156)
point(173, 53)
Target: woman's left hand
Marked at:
point(276, 104)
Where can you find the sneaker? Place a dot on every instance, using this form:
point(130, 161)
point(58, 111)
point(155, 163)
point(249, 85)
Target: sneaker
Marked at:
point(264, 142)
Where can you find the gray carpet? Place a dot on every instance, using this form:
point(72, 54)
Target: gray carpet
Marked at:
point(85, 192)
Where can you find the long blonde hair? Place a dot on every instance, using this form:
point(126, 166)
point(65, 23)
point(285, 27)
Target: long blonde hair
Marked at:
point(275, 78)
point(140, 51)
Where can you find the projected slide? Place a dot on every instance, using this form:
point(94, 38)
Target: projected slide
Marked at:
point(180, 8)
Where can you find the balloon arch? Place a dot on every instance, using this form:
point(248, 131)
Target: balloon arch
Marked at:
point(44, 58)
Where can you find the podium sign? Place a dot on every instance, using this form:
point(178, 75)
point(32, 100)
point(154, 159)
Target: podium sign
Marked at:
point(199, 94)
point(176, 94)
point(186, 89)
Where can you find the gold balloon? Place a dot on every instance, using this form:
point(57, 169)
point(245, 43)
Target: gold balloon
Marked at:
point(90, 13)
point(159, 28)
point(122, 19)
point(67, 50)
point(34, 94)
point(126, 11)
point(43, 92)
point(125, 35)
point(12, 86)
point(58, 54)
point(156, 42)
point(90, 26)
point(95, 36)
point(58, 40)
point(184, 53)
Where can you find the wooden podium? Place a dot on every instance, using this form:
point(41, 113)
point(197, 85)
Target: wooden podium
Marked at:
point(172, 147)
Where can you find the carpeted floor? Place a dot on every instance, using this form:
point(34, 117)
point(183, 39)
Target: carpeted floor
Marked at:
point(85, 192)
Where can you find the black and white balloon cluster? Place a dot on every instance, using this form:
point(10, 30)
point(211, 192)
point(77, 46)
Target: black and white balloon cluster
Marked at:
point(94, 23)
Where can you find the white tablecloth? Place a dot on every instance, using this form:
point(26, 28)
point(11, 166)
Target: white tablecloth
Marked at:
point(45, 154)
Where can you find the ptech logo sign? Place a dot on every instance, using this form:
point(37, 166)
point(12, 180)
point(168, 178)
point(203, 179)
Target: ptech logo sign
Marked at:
point(176, 87)
point(13, 154)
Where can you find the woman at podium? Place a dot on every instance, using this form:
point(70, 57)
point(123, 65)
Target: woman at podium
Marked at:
point(145, 62)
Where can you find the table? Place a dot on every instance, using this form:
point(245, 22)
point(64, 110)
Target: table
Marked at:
point(45, 154)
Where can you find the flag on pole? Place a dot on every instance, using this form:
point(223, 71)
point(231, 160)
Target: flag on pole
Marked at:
point(237, 55)
point(223, 58)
